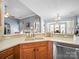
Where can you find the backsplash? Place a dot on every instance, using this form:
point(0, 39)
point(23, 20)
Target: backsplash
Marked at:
point(30, 36)
point(7, 37)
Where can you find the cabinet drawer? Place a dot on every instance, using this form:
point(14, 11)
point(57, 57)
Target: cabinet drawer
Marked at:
point(6, 53)
point(10, 57)
point(35, 44)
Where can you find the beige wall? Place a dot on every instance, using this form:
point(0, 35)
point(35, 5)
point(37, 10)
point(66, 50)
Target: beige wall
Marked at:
point(1, 17)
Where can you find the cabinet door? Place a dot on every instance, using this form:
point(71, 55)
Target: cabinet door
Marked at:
point(7, 54)
point(28, 53)
point(10, 57)
point(41, 53)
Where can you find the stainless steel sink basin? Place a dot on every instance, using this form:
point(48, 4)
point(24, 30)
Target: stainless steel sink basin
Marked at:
point(38, 38)
point(34, 39)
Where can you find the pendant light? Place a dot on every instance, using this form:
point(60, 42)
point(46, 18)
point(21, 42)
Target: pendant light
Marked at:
point(58, 17)
point(7, 13)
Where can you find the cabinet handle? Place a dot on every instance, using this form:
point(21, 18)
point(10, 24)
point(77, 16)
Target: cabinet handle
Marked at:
point(37, 49)
point(33, 49)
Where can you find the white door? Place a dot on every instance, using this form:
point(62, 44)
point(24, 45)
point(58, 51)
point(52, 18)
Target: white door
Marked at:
point(62, 28)
point(57, 28)
point(51, 28)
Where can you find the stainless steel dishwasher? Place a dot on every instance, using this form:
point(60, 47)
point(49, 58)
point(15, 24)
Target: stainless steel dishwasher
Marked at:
point(65, 52)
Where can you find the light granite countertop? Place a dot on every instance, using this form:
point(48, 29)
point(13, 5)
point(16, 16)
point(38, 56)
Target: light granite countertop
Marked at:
point(5, 44)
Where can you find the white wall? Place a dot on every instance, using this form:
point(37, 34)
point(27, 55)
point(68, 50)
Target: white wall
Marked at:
point(68, 21)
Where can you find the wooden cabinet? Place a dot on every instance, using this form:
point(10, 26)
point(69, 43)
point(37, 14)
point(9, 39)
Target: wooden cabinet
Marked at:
point(7, 54)
point(10, 57)
point(35, 53)
point(28, 53)
point(42, 52)
point(36, 50)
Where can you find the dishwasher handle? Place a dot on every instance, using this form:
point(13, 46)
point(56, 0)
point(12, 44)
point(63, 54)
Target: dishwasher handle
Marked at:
point(65, 46)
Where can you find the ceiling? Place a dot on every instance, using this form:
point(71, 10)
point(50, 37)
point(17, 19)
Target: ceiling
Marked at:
point(18, 9)
point(44, 8)
point(50, 8)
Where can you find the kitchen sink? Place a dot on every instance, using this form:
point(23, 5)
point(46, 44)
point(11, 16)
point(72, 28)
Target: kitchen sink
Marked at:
point(38, 38)
point(34, 39)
